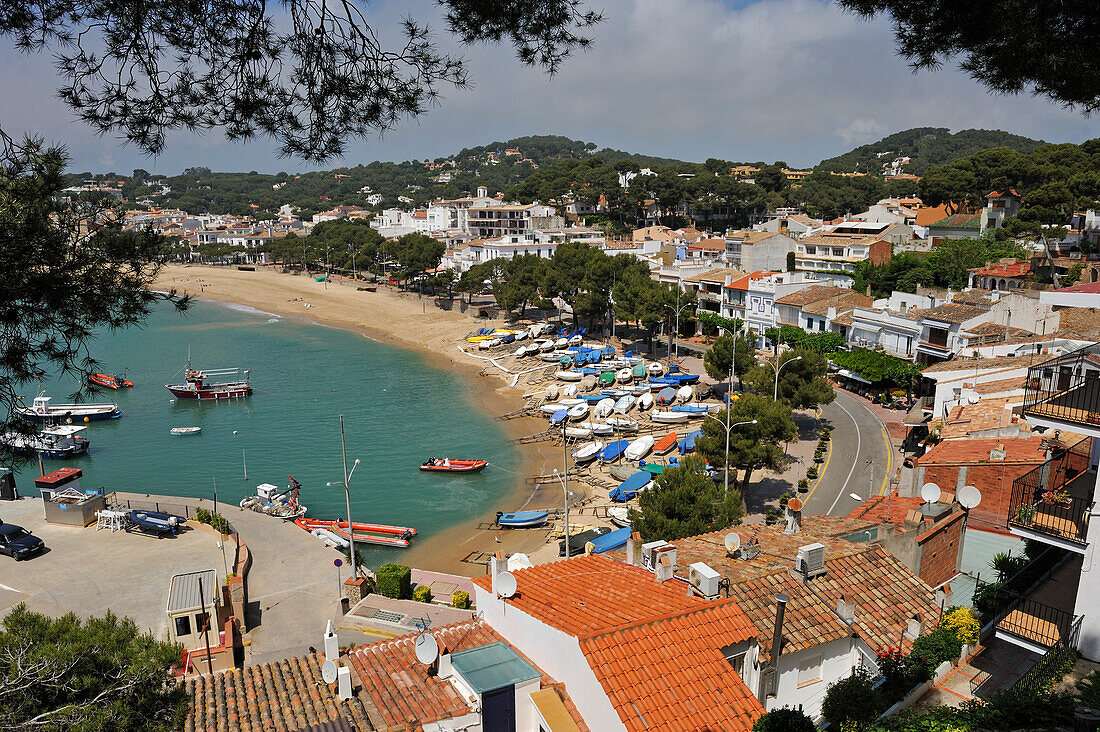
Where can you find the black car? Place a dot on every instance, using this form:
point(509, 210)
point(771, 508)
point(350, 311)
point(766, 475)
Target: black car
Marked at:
point(15, 541)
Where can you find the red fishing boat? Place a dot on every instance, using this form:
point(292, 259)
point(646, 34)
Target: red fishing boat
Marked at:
point(447, 465)
point(111, 382)
point(198, 385)
point(377, 534)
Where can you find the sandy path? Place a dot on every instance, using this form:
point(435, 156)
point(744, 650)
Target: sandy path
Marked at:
point(402, 320)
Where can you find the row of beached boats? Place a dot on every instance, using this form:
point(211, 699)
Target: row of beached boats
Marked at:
point(487, 338)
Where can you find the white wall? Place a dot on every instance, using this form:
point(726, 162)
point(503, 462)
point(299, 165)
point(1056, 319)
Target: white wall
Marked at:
point(838, 658)
point(1088, 589)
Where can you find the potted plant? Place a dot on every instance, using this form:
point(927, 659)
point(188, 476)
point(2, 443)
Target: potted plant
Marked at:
point(803, 485)
point(812, 472)
point(771, 516)
point(1025, 513)
point(1058, 496)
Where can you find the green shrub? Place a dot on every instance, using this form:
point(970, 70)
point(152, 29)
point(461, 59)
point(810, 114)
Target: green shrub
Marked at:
point(394, 580)
point(422, 593)
point(771, 516)
point(803, 485)
point(460, 599)
point(784, 498)
point(961, 621)
point(852, 702)
point(784, 720)
point(811, 472)
point(202, 515)
point(932, 649)
point(214, 520)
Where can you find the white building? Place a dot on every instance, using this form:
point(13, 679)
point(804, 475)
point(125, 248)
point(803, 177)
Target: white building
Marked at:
point(501, 220)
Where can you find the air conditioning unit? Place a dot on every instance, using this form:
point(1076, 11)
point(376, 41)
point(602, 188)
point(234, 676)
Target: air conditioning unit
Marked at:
point(649, 550)
point(704, 580)
point(811, 560)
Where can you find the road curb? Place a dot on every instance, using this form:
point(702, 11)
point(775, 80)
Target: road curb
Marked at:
point(824, 465)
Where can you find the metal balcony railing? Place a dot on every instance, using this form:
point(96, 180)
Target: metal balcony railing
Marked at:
point(1055, 498)
point(1041, 624)
point(1066, 389)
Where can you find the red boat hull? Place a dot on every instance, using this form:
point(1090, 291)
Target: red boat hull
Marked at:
point(455, 466)
point(364, 533)
point(109, 381)
point(234, 392)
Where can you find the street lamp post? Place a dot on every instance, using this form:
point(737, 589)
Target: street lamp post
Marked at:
point(778, 369)
point(347, 493)
point(729, 427)
point(565, 497)
point(672, 330)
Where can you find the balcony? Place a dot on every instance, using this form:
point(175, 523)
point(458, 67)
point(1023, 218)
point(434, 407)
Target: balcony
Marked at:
point(1052, 502)
point(1041, 616)
point(1066, 390)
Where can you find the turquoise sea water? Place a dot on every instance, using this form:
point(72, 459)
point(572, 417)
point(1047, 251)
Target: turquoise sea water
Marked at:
point(398, 410)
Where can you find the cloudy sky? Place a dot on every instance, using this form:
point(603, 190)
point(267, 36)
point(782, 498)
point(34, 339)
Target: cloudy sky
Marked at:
point(793, 80)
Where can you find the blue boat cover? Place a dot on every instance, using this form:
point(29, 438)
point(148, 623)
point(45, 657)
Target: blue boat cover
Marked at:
point(630, 487)
point(691, 408)
point(614, 449)
point(609, 542)
point(558, 416)
point(522, 517)
point(689, 442)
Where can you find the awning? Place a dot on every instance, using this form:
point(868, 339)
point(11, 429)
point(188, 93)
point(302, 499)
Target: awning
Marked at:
point(853, 376)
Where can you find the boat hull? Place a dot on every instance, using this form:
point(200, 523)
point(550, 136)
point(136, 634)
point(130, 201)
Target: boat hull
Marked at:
point(210, 394)
point(456, 466)
point(76, 414)
point(111, 382)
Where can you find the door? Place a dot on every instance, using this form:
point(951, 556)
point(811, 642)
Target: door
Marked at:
point(498, 710)
point(1063, 378)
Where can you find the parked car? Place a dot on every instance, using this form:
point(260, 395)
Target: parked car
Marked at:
point(17, 542)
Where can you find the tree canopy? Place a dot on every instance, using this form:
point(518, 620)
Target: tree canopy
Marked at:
point(802, 382)
point(73, 675)
point(717, 359)
point(684, 502)
point(752, 446)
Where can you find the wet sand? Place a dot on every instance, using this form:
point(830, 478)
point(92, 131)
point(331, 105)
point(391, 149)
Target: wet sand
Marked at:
point(406, 321)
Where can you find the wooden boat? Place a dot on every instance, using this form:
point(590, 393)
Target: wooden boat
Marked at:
point(623, 405)
point(521, 519)
point(645, 401)
point(197, 384)
point(624, 471)
point(620, 516)
point(666, 443)
point(111, 382)
point(42, 411)
point(613, 450)
point(447, 465)
point(598, 428)
point(631, 486)
point(587, 453)
point(639, 448)
point(568, 376)
point(688, 445)
point(669, 417)
point(588, 382)
point(603, 408)
point(362, 533)
point(623, 424)
point(185, 430)
point(684, 394)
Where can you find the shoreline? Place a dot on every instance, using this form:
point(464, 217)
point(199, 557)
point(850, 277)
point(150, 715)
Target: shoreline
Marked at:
point(338, 304)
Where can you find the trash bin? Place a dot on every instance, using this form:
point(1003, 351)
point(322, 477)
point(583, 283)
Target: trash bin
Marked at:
point(345, 605)
point(8, 491)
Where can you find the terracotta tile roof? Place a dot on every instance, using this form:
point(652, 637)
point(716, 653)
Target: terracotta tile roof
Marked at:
point(752, 237)
point(1009, 193)
point(811, 294)
point(986, 364)
point(951, 313)
point(670, 674)
point(1001, 385)
point(1016, 269)
point(407, 697)
point(930, 214)
point(742, 283)
point(959, 221)
point(883, 511)
point(987, 414)
point(285, 695)
point(1018, 451)
point(843, 303)
point(709, 245)
point(1084, 320)
point(716, 274)
point(845, 320)
point(1088, 288)
point(807, 621)
point(993, 329)
point(591, 593)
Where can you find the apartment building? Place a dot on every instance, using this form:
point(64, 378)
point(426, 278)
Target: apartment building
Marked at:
point(708, 286)
point(502, 220)
point(541, 243)
point(945, 329)
point(840, 253)
point(753, 250)
point(815, 308)
point(892, 331)
point(999, 205)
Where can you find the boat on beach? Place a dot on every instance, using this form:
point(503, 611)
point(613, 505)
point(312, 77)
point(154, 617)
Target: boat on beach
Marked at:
point(631, 486)
point(623, 405)
point(669, 417)
point(645, 401)
point(198, 385)
point(620, 516)
point(578, 411)
point(639, 448)
point(597, 428)
point(666, 443)
point(568, 375)
point(603, 408)
point(588, 382)
point(665, 396)
point(41, 410)
point(684, 394)
point(111, 382)
point(588, 452)
point(521, 519)
point(623, 424)
point(447, 465)
point(185, 430)
point(613, 450)
point(362, 533)
point(688, 445)
point(270, 501)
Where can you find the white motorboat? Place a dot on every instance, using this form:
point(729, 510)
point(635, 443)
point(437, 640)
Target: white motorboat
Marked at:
point(561, 343)
point(569, 375)
point(588, 383)
point(578, 433)
point(603, 408)
point(546, 346)
point(587, 453)
point(638, 389)
point(569, 390)
point(619, 516)
point(624, 376)
point(639, 448)
point(554, 407)
point(684, 394)
point(549, 356)
point(598, 428)
point(575, 340)
point(331, 538)
point(670, 417)
point(521, 335)
point(645, 401)
point(185, 430)
point(655, 369)
point(623, 424)
point(520, 352)
point(624, 404)
point(578, 411)
point(551, 392)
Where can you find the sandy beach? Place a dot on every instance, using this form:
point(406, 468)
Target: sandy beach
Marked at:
point(407, 321)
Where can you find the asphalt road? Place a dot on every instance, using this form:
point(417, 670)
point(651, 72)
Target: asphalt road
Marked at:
point(860, 460)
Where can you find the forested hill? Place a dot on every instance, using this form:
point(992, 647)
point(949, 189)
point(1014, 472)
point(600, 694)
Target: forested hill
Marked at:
point(925, 146)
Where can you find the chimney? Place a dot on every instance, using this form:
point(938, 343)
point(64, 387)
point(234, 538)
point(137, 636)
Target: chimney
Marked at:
point(498, 565)
point(634, 549)
point(771, 673)
point(343, 683)
point(331, 644)
point(665, 563)
point(794, 516)
point(846, 610)
point(998, 453)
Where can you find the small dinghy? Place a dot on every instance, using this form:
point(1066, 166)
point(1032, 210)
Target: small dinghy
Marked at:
point(624, 471)
point(638, 371)
point(578, 433)
point(578, 412)
point(630, 487)
point(623, 424)
point(639, 448)
point(587, 453)
point(551, 392)
point(665, 397)
point(655, 369)
point(588, 382)
point(669, 417)
point(561, 343)
point(624, 376)
point(520, 352)
point(688, 444)
point(521, 335)
point(666, 443)
point(570, 376)
point(624, 404)
point(521, 519)
point(447, 465)
point(609, 542)
point(607, 378)
point(620, 516)
point(603, 408)
point(645, 401)
point(684, 394)
point(185, 430)
point(613, 450)
point(694, 411)
point(569, 390)
point(546, 346)
point(598, 428)
point(362, 533)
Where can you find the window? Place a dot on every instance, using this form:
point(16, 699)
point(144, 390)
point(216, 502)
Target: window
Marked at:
point(809, 671)
point(183, 626)
point(201, 620)
point(738, 663)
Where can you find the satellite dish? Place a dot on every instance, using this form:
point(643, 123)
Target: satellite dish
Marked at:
point(969, 497)
point(329, 671)
point(427, 650)
point(733, 542)
point(506, 584)
point(794, 504)
point(930, 492)
point(973, 399)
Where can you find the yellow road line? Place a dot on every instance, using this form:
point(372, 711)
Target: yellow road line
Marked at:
point(377, 633)
point(889, 459)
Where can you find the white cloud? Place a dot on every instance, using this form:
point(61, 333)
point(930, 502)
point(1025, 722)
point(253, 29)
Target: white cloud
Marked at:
point(795, 80)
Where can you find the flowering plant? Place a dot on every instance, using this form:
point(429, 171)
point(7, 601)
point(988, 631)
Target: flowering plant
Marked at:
point(1060, 495)
point(962, 623)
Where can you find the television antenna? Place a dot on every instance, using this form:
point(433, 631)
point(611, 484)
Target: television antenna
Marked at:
point(506, 584)
point(427, 649)
point(732, 542)
point(329, 671)
point(930, 492)
point(969, 497)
